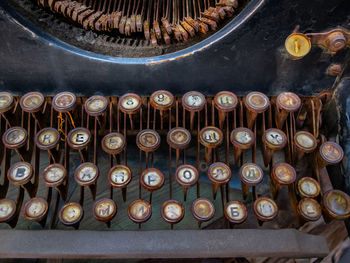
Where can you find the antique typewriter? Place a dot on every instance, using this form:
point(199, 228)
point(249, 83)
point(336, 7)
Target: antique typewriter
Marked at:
point(172, 129)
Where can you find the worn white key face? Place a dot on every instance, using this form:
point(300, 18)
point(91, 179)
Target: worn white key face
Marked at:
point(6, 100)
point(54, 174)
point(80, 137)
point(148, 139)
point(305, 141)
point(20, 172)
point(130, 102)
point(87, 173)
point(114, 142)
point(243, 137)
point(120, 175)
point(71, 212)
point(266, 208)
point(310, 208)
point(15, 136)
point(173, 211)
point(274, 137)
point(139, 209)
point(36, 208)
point(64, 100)
point(187, 175)
point(226, 100)
point(211, 136)
point(194, 100)
point(32, 101)
point(7, 208)
point(236, 211)
point(219, 173)
point(48, 136)
point(105, 208)
point(309, 187)
point(162, 98)
point(96, 104)
point(152, 178)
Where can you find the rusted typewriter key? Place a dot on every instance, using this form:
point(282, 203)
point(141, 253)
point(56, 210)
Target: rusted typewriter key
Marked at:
point(119, 176)
point(235, 212)
point(308, 187)
point(330, 153)
point(148, 141)
point(79, 139)
point(113, 143)
point(283, 174)
point(202, 210)
point(15, 138)
point(308, 210)
point(178, 138)
point(71, 214)
point(186, 176)
point(255, 102)
point(193, 102)
point(95, 106)
point(33, 103)
point(48, 139)
point(64, 102)
point(265, 209)
point(172, 211)
point(152, 179)
point(105, 210)
point(273, 139)
point(130, 104)
point(139, 211)
point(336, 205)
point(36, 210)
point(242, 139)
point(251, 175)
point(8, 212)
point(86, 174)
point(20, 174)
point(305, 143)
point(210, 137)
point(224, 102)
point(219, 174)
point(55, 175)
point(286, 103)
point(162, 100)
point(7, 103)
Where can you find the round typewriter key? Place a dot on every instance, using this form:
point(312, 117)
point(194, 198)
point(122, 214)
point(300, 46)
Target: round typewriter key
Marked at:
point(104, 210)
point(179, 138)
point(95, 105)
point(219, 174)
point(152, 179)
point(193, 101)
point(130, 103)
point(210, 137)
point(55, 175)
point(64, 101)
point(15, 137)
point(47, 138)
point(119, 176)
point(162, 100)
point(250, 175)
point(7, 210)
point(330, 153)
point(86, 174)
point(256, 102)
point(336, 204)
point(36, 210)
point(286, 103)
point(186, 176)
point(297, 45)
point(139, 211)
point(305, 141)
point(202, 210)
point(235, 212)
point(309, 210)
point(6, 101)
point(148, 140)
point(32, 101)
point(242, 139)
point(284, 174)
point(224, 101)
point(172, 211)
point(265, 209)
point(79, 138)
point(308, 187)
point(20, 173)
point(71, 214)
point(273, 139)
point(113, 143)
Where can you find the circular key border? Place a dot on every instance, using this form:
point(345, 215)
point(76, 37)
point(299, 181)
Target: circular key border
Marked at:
point(309, 206)
point(68, 215)
point(84, 139)
point(235, 212)
point(41, 136)
point(130, 103)
point(308, 187)
point(262, 213)
point(116, 146)
point(6, 101)
point(193, 101)
point(139, 205)
point(305, 141)
point(336, 204)
point(120, 171)
point(35, 209)
point(149, 186)
point(169, 208)
point(284, 173)
point(104, 209)
point(246, 175)
point(257, 102)
point(180, 175)
point(15, 137)
point(54, 175)
point(95, 105)
point(179, 138)
point(26, 173)
point(225, 101)
point(162, 100)
point(146, 145)
point(32, 101)
point(242, 138)
point(207, 135)
point(80, 173)
point(7, 210)
point(202, 209)
point(64, 101)
point(288, 101)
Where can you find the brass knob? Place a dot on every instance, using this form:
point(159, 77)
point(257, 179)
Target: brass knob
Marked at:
point(202, 210)
point(96, 105)
point(235, 212)
point(139, 211)
point(298, 45)
point(308, 187)
point(64, 101)
point(71, 214)
point(336, 204)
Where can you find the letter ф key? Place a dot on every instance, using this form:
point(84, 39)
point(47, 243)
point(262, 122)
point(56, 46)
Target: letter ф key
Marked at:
point(186, 176)
point(139, 211)
point(119, 176)
point(235, 212)
point(202, 210)
point(86, 174)
point(104, 210)
point(152, 179)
